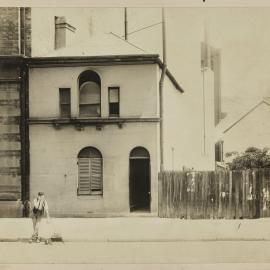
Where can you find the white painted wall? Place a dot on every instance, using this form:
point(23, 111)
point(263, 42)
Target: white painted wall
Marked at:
point(253, 130)
point(184, 113)
point(183, 133)
point(54, 161)
point(138, 89)
point(54, 170)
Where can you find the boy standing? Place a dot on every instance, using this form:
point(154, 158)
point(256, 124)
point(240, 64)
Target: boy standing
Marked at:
point(39, 207)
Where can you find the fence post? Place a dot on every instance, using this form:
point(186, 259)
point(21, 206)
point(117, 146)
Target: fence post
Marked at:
point(230, 194)
point(159, 194)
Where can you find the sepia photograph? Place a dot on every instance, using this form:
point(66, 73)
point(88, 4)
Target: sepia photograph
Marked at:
point(134, 135)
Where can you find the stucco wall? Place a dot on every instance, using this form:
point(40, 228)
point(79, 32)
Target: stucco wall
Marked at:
point(184, 125)
point(138, 89)
point(53, 163)
point(183, 115)
point(54, 170)
point(253, 130)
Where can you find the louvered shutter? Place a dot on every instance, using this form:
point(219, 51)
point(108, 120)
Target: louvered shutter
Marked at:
point(84, 176)
point(96, 175)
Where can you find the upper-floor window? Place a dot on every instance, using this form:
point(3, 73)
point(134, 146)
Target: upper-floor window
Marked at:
point(89, 93)
point(114, 101)
point(64, 100)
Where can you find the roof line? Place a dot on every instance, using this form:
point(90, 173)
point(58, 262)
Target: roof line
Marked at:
point(96, 57)
point(171, 77)
point(173, 80)
point(246, 114)
point(54, 61)
point(267, 102)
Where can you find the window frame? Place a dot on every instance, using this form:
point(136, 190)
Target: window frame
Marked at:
point(219, 154)
point(96, 192)
point(62, 89)
point(99, 105)
point(118, 89)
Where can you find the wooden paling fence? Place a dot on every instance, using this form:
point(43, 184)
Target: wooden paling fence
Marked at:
point(215, 194)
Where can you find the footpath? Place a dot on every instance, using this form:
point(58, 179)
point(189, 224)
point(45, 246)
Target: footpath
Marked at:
point(137, 229)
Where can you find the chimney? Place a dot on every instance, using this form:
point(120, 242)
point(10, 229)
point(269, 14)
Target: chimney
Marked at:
point(63, 32)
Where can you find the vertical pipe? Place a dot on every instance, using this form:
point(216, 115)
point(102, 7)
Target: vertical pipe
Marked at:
point(206, 65)
point(24, 184)
point(24, 31)
point(173, 158)
point(164, 38)
point(204, 116)
point(19, 30)
point(126, 24)
point(27, 142)
point(161, 86)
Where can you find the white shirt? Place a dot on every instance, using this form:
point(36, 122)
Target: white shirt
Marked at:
point(39, 204)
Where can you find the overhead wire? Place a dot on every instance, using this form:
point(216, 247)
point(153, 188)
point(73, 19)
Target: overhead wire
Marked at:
point(143, 28)
point(128, 42)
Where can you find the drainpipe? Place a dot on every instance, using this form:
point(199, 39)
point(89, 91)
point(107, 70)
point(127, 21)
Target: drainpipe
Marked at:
point(19, 31)
point(126, 24)
point(161, 86)
point(207, 65)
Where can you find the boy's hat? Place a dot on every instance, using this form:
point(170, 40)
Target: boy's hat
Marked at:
point(40, 193)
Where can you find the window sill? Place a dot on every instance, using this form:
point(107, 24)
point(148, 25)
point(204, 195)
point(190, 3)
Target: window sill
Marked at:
point(90, 197)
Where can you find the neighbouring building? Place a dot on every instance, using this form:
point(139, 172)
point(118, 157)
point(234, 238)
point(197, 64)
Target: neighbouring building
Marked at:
point(253, 124)
point(15, 45)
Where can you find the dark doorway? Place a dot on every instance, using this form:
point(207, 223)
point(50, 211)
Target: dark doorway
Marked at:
point(139, 180)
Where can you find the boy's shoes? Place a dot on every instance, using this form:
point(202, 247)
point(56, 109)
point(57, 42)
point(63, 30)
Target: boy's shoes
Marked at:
point(35, 238)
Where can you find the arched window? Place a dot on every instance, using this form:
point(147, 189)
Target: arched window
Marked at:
point(89, 93)
point(90, 171)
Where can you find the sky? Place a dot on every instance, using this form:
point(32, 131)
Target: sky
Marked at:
point(242, 34)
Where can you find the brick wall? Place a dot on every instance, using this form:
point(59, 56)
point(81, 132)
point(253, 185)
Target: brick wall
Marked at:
point(15, 39)
point(15, 31)
point(28, 30)
point(9, 34)
point(10, 146)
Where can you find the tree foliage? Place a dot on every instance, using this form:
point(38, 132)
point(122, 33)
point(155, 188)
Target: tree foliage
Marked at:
point(252, 158)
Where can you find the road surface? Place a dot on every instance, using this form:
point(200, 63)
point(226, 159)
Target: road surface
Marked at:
point(184, 252)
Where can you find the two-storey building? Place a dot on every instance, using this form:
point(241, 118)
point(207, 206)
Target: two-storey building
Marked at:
point(94, 129)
